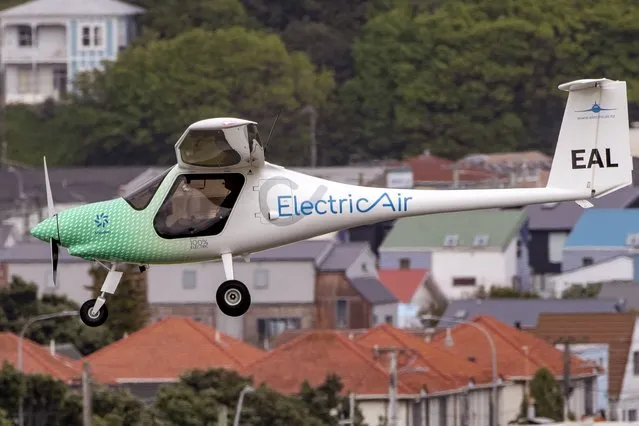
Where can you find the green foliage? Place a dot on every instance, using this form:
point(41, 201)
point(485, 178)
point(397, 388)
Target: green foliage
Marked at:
point(497, 292)
point(326, 397)
point(19, 302)
point(578, 291)
point(135, 110)
point(546, 392)
point(129, 311)
point(4, 420)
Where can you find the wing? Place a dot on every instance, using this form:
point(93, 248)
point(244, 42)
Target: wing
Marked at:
point(220, 144)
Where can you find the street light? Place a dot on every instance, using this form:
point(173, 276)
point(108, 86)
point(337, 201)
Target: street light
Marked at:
point(240, 401)
point(21, 338)
point(492, 349)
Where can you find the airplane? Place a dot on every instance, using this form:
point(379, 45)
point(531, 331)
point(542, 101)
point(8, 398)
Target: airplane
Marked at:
point(222, 200)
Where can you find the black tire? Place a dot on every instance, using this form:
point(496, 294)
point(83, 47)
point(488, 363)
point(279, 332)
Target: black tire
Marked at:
point(233, 298)
point(88, 319)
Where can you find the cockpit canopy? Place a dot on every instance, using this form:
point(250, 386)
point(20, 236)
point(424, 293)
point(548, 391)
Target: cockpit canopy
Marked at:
point(220, 143)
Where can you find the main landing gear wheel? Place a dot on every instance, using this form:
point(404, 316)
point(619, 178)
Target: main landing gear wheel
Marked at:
point(233, 298)
point(87, 316)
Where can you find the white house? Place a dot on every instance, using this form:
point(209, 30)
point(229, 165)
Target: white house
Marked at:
point(463, 250)
point(619, 268)
point(45, 43)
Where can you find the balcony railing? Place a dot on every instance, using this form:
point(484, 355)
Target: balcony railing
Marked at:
point(38, 54)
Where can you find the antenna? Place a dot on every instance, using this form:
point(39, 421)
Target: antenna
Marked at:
point(272, 127)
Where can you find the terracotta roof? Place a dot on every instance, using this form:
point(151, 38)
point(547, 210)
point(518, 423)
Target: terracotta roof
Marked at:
point(36, 359)
point(614, 329)
point(430, 168)
point(444, 372)
point(512, 359)
point(169, 348)
point(402, 283)
point(312, 356)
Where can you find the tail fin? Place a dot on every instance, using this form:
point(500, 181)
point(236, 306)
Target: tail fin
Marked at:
point(593, 150)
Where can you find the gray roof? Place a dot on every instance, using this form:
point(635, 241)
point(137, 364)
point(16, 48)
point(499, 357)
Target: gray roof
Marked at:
point(373, 290)
point(524, 311)
point(68, 185)
point(38, 8)
point(313, 250)
point(34, 252)
point(628, 291)
point(563, 216)
point(342, 256)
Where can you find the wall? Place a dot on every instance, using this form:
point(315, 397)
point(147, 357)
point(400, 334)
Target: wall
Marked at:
point(615, 269)
point(282, 314)
point(381, 311)
point(389, 259)
point(599, 354)
point(629, 398)
point(363, 266)
point(546, 249)
point(573, 257)
point(72, 278)
point(489, 267)
point(331, 287)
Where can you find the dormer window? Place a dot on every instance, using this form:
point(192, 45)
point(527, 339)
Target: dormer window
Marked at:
point(451, 240)
point(480, 240)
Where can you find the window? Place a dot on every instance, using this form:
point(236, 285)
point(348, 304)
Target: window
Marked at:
point(443, 414)
point(341, 314)
point(24, 80)
point(260, 279)
point(588, 396)
point(188, 279)
point(632, 415)
point(198, 205)
point(404, 263)
point(25, 36)
point(374, 319)
point(140, 198)
point(635, 363)
point(60, 79)
point(208, 148)
point(92, 36)
point(269, 328)
point(463, 281)
point(480, 240)
point(586, 261)
point(451, 240)
point(389, 319)
point(364, 267)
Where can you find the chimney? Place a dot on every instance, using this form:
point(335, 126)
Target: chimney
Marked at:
point(52, 347)
point(217, 336)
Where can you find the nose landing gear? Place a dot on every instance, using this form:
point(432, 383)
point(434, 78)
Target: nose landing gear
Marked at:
point(94, 312)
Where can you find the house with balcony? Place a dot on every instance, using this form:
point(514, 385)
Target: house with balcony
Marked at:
point(44, 46)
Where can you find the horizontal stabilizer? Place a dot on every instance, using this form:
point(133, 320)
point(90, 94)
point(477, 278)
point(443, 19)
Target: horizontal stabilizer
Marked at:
point(584, 83)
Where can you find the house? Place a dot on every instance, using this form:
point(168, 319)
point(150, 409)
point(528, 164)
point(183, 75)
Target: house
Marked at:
point(517, 169)
point(549, 226)
point(313, 283)
point(518, 355)
point(161, 352)
point(490, 244)
point(626, 292)
point(433, 381)
point(599, 235)
point(45, 45)
point(619, 383)
point(38, 360)
point(31, 261)
point(7, 236)
point(414, 289)
point(523, 313)
point(618, 268)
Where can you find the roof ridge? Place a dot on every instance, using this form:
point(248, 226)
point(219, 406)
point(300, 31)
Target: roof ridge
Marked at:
point(192, 323)
point(28, 347)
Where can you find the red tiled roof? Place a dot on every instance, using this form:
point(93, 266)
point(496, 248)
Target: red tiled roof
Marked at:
point(430, 168)
point(313, 356)
point(444, 372)
point(402, 283)
point(36, 359)
point(512, 358)
point(169, 348)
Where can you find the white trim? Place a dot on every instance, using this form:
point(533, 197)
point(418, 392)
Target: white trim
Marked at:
point(599, 248)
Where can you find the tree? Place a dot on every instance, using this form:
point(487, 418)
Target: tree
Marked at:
point(129, 310)
point(546, 392)
point(326, 397)
point(480, 76)
point(135, 110)
point(578, 291)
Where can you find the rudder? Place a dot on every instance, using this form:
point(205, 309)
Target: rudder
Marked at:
point(593, 148)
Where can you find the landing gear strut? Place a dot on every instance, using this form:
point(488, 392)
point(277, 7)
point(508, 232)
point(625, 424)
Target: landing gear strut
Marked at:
point(232, 296)
point(94, 312)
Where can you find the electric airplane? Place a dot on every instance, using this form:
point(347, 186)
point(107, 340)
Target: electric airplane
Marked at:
point(222, 199)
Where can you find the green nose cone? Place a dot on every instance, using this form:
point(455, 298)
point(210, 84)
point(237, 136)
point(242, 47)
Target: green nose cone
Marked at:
point(46, 229)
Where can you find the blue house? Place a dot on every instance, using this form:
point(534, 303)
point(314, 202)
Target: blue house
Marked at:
point(601, 235)
point(45, 43)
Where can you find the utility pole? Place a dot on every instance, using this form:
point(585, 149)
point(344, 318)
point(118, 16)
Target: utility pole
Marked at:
point(3, 97)
point(310, 109)
point(393, 351)
point(567, 391)
point(86, 395)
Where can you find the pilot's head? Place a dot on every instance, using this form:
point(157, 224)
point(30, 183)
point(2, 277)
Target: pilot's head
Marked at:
point(232, 184)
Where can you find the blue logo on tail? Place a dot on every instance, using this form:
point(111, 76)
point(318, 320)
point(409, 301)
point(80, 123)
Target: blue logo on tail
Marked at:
point(596, 109)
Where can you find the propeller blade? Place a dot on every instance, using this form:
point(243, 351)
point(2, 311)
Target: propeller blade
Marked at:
point(49, 195)
point(55, 250)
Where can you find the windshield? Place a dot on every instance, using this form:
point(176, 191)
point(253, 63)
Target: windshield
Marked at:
point(140, 198)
